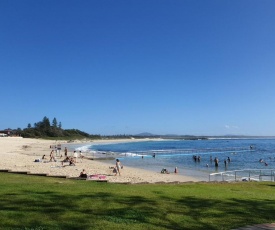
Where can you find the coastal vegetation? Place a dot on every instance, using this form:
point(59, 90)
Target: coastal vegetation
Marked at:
point(38, 203)
point(47, 130)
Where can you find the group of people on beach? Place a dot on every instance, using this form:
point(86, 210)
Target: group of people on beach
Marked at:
point(72, 160)
point(52, 157)
point(75, 154)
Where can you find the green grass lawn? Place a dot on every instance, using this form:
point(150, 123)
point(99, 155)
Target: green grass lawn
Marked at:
point(38, 203)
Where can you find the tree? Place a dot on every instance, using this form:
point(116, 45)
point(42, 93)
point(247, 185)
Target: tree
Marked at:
point(44, 129)
point(46, 123)
point(54, 123)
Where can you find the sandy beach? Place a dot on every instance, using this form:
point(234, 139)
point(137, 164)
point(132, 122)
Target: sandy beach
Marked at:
point(19, 154)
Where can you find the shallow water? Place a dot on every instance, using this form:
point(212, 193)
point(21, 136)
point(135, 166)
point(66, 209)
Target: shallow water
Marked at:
point(243, 154)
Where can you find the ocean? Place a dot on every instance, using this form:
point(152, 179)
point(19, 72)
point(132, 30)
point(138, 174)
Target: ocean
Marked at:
point(191, 157)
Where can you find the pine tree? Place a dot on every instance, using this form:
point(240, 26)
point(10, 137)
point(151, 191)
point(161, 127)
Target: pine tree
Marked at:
point(54, 123)
point(46, 123)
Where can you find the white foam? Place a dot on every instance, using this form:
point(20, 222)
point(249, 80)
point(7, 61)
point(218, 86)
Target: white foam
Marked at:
point(129, 154)
point(85, 148)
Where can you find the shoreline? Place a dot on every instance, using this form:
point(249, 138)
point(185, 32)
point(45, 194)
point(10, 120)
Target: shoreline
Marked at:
point(19, 154)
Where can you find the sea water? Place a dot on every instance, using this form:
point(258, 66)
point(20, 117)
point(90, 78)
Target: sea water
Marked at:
point(158, 154)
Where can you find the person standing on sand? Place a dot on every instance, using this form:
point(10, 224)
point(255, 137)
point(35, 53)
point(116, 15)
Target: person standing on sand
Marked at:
point(75, 156)
point(81, 156)
point(118, 167)
point(52, 156)
point(66, 152)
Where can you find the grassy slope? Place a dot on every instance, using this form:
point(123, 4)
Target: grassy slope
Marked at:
point(30, 202)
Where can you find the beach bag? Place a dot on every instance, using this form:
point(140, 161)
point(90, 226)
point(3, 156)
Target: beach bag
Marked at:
point(114, 170)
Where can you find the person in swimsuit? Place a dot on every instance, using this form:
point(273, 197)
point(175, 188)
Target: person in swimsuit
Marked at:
point(118, 167)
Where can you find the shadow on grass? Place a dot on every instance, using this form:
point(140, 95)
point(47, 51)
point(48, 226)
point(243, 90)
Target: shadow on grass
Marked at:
point(50, 210)
point(55, 211)
point(271, 185)
point(235, 211)
point(104, 207)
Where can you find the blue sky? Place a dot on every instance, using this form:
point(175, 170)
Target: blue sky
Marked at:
point(125, 67)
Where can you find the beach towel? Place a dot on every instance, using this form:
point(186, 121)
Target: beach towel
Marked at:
point(96, 177)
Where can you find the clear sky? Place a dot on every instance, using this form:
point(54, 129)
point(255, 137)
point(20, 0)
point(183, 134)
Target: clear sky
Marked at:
point(199, 67)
